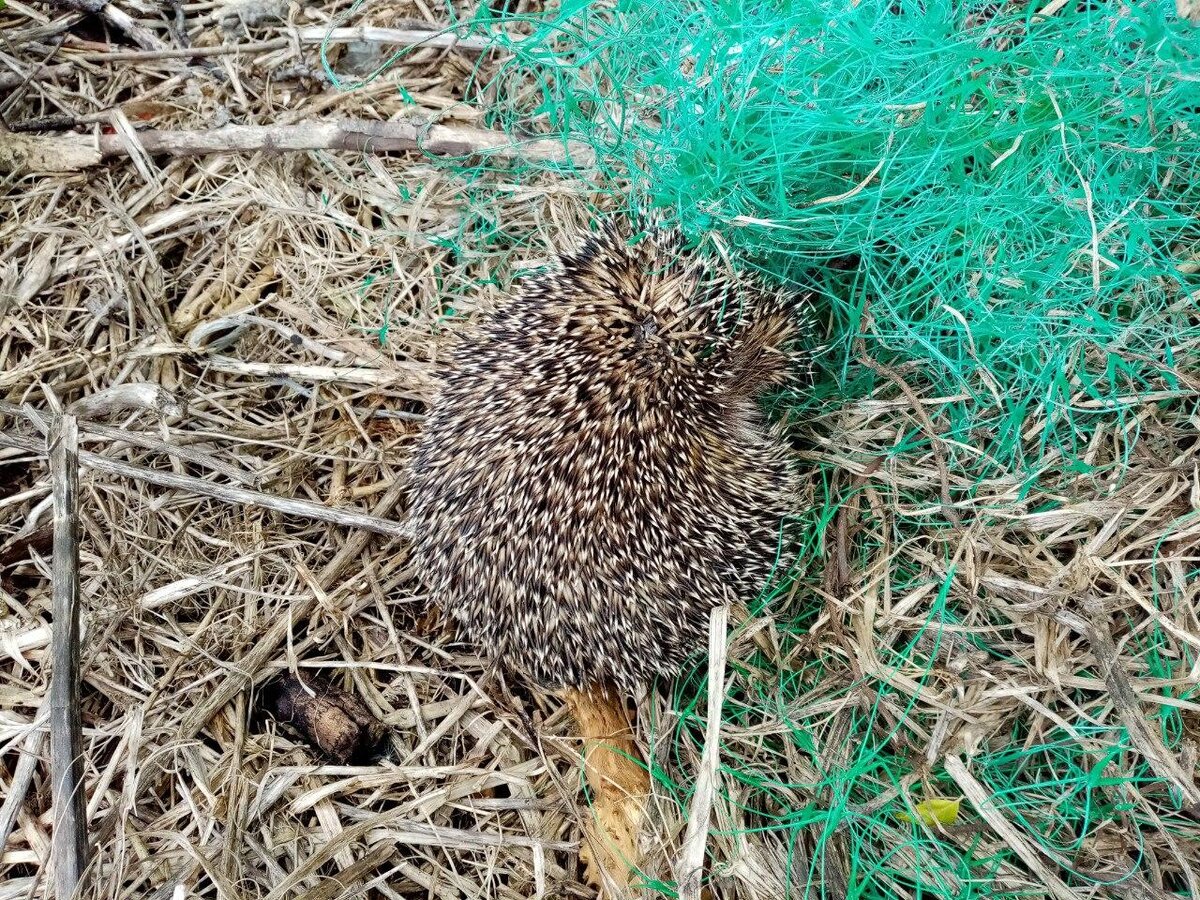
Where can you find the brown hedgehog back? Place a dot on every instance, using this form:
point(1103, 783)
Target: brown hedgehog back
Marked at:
point(595, 475)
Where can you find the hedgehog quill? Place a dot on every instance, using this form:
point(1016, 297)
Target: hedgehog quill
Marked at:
point(596, 476)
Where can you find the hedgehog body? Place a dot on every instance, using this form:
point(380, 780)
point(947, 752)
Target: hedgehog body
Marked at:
point(596, 475)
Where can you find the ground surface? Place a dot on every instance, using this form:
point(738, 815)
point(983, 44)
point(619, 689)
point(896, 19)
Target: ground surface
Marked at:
point(1052, 617)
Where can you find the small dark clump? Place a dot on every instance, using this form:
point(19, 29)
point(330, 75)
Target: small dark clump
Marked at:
point(596, 474)
point(336, 723)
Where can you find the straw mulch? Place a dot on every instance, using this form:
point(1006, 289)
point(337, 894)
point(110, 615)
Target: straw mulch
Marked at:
point(294, 304)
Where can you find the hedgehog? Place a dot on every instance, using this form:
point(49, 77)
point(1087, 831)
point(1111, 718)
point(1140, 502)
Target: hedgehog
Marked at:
point(596, 473)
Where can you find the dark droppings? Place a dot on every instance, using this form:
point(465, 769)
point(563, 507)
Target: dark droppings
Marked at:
point(333, 722)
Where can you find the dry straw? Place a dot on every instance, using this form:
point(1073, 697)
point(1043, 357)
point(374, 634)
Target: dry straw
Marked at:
point(997, 596)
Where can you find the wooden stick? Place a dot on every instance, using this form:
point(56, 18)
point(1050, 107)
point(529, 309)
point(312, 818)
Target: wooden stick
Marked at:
point(369, 375)
point(10, 80)
point(401, 37)
point(40, 154)
point(122, 398)
point(68, 848)
point(346, 134)
point(690, 868)
point(619, 785)
point(229, 494)
point(170, 53)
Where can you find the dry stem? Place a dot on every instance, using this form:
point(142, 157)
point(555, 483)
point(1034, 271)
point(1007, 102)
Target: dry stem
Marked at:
point(229, 494)
point(37, 154)
point(691, 859)
point(69, 838)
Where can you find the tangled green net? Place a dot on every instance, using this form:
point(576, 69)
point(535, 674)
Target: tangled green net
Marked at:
point(996, 198)
point(997, 204)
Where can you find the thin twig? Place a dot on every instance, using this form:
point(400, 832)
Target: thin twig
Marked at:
point(187, 454)
point(154, 400)
point(229, 494)
point(68, 849)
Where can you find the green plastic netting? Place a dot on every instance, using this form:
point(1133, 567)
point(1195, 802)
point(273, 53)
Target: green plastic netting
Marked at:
point(996, 197)
point(999, 205)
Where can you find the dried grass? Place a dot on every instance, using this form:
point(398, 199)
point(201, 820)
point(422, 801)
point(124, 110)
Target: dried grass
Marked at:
point(134, 272)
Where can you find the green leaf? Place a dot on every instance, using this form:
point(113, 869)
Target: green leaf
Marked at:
point(935, 811)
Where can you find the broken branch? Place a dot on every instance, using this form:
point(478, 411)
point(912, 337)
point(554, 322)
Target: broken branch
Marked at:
point(38, 154)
